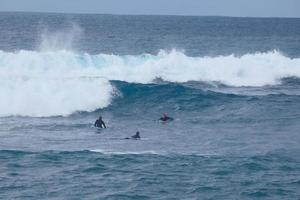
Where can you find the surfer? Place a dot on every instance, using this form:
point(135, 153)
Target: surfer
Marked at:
point(165, 118)
point(136, 136)
point(100, 123)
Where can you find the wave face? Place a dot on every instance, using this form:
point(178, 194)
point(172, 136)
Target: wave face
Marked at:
point(49, 83)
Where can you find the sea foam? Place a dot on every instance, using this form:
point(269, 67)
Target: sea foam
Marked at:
point(47, 83)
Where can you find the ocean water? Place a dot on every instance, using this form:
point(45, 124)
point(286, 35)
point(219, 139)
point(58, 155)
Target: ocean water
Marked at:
point(232, 86)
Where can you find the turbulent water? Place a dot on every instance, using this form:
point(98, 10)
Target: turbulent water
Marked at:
point(232, 86)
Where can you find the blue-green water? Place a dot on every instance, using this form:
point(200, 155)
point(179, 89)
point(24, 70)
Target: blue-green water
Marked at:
point(88, 175)
point(231, 84)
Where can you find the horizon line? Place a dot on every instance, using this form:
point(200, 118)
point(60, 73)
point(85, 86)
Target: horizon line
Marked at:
point(122, 14)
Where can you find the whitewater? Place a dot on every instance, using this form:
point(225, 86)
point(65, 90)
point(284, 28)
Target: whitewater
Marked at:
point(54, 81)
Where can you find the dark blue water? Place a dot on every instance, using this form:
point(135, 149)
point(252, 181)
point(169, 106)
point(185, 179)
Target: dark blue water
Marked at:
point(83, 174)
point(232, 86)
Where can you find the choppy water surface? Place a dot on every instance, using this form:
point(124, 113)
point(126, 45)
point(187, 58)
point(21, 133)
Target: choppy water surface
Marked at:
point(231, 84)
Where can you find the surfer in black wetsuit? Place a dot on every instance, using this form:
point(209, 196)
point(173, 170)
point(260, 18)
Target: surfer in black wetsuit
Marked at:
point(100, 123)
point(136, 136)
point(165, 118)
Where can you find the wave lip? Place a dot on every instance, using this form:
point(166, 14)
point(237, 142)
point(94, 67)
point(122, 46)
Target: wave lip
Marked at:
point(52, 83)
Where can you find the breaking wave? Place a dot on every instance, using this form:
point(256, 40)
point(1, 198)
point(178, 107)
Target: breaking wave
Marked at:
point(48, 83)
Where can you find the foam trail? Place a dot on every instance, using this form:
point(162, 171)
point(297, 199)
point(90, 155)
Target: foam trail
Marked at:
point(110, 152)
point(51, 83)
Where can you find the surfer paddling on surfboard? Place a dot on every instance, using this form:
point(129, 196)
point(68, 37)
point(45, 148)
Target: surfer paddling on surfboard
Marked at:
point(136, 136)
point(165, 118)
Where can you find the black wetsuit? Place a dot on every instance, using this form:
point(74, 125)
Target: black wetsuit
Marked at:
point(165, 118)
point(136, 136)
point(100, 123)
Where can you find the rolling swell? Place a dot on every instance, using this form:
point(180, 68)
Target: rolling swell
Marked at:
point(212, 103)
point(167, 96)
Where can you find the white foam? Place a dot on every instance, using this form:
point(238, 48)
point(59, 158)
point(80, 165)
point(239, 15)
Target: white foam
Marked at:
point(152, 152)
point(249, 70)
point(111, 152)
point(47, 83)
